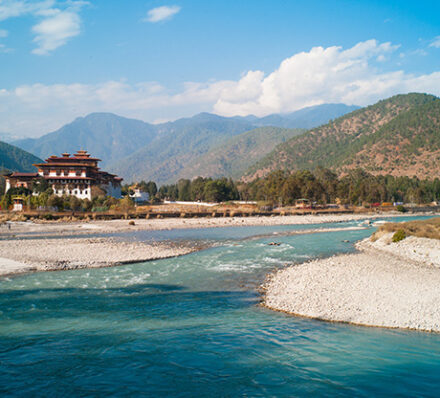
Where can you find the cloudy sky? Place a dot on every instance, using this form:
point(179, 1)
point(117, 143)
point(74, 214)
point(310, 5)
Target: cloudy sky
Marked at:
point(157, 60)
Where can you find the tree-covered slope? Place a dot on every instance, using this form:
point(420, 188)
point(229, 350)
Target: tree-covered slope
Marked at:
point(15, 159)
point(178, 144)
point(403, 127)
point(233, 157)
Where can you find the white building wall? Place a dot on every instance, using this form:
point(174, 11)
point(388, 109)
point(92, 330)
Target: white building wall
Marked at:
point(139, 196)
point(64, 189)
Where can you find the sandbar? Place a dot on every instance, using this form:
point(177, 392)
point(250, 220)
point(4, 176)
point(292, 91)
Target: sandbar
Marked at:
point(384, 284)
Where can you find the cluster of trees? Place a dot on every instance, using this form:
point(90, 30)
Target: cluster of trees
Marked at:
point(200, 189)
point(284, 188)
point(278, 188)
point(324, 186)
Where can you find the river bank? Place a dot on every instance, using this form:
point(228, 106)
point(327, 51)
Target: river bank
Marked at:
point(45, 246)
point(29, 255)
point(385, 284)
point(21, 229)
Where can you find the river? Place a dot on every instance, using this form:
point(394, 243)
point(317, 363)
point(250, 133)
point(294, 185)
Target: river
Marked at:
point(193, 326)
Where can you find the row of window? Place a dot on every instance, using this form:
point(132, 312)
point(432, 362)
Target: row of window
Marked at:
point(72, 192)
point(64, 173)
point(70, 182)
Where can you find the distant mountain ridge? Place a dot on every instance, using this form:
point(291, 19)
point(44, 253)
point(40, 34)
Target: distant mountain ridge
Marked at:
point(105, 135)
point(304, 118)
point(165, 152)
point(13, 158)
point(399, 136)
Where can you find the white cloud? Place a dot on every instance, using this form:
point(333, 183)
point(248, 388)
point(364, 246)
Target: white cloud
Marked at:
point(3, 33)
point(317, 76)
point(58, 21)
point(321, 75)
point(161, 13)
point(54, 31)
point(435, 42)
point(17, 8)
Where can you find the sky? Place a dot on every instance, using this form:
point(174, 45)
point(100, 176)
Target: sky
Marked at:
point(161, 60)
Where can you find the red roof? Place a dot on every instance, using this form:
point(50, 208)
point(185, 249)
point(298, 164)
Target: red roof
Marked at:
point(79, 155)
point(65, 164)
point(55, 159)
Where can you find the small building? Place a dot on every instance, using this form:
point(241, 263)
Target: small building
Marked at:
point(138, 196)
point(302, 203)
point(16, 180)
point(77, 175)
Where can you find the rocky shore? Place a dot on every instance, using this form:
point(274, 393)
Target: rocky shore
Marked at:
point(386, 284)
point(26, 255)
point(18, 229)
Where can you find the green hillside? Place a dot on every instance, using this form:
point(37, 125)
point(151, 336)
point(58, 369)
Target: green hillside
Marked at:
point(398, 136)
point(15, 159)
point(233, 157)
point(178, 144)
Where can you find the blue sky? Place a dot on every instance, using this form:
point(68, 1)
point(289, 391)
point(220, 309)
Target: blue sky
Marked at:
point(158, 60)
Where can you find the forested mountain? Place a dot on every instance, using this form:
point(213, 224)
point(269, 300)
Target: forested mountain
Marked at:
point(178, 144)
point(233, 157)
point(15, 159)
point(397, 136)
point(165, 152)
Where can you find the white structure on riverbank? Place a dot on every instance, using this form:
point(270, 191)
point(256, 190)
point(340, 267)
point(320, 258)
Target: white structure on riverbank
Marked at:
point(138, 196)
point(77, 175)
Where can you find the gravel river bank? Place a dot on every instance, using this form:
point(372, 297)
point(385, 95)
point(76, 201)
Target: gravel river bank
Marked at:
point(386, 284)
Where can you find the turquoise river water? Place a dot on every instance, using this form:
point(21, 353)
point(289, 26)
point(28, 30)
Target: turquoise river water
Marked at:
point(193, 326)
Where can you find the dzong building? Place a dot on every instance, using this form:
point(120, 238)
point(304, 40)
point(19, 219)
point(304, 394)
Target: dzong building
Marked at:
point(77, 175)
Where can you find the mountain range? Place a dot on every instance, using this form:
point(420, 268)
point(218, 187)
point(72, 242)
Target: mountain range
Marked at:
point(398, 136)
point(185, 148)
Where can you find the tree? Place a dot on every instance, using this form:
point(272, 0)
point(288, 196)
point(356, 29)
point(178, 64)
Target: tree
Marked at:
point(74, 203)
point(126, 204)
point(183, 189)
point(55, 201)
point(86, 205)
point(150, 187)
point(40, 185)
point(197, 188)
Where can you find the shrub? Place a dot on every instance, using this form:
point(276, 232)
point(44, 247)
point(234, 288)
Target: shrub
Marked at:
point(55, 201)
point(399, 235)
point(401, 209)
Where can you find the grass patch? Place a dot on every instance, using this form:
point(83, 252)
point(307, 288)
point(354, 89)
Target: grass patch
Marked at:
point(429, 228)
point(399, 235)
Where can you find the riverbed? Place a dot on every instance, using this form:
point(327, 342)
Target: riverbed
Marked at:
point(194, 326)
